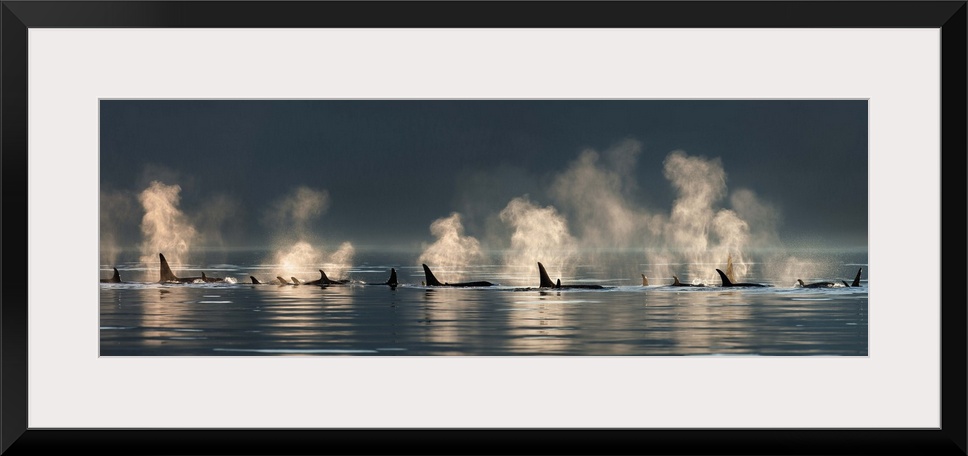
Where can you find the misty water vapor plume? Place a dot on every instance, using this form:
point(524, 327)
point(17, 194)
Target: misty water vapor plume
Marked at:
point(452, 251)
point(164, 227)
point(540, 234)
point(294, 252)
point(701, 235)
point(597, 195)
point(117, 209)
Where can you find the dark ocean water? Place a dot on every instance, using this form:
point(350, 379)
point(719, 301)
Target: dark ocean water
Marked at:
point(142, 318)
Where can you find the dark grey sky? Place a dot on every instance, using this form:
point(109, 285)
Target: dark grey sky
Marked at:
point(393, 167)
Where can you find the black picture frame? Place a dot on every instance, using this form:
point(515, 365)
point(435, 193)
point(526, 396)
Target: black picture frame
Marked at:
point(18, 16)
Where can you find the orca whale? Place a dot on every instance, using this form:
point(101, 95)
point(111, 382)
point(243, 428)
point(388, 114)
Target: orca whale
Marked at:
point(815, 284)
point(433, 282)
point(321, 281)
point(168, 276)
point(116, 278)
point(728, 283)
point(677, 283)
point(254, 280)
point(545, 281)
point(645, 281)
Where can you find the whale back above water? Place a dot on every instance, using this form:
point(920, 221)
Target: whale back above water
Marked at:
point(728, 283)
point(433, 282)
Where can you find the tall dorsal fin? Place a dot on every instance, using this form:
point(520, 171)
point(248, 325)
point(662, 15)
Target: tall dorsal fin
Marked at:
point(323, 278)
point(254, 280)
point(431, 280)
point(645, 281)
point(295, 281)
point(166, 274)
point(675, 281)
point(545, 281)
point(393, 277)
point(857, 278)
point(726, 281)
point(116, 278)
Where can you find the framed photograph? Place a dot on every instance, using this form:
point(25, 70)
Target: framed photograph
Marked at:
point(464, 227)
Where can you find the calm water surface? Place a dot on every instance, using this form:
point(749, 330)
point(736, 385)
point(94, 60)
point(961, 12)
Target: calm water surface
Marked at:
point(225, 319)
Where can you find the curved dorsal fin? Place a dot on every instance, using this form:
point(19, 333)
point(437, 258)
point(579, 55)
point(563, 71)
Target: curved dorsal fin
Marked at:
point(431, 280)
point(544, 280)
point(393, 277)
point(800, 282)
point(116, 278)
point(282, 281)
point(726, 282)
point(254, 280)
point(675, 281)
point(295, 281)
point(323, 278)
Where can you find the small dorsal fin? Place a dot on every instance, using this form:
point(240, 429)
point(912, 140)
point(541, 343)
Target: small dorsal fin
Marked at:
point(845, 283)
point(295, 281)
point(393, 278)
point(800, 282)
point(675, 281)
point(254, 280)
point(544, 280)
point(282, 281)
point(431, 280)
point(558, 283)
point(645, 281)
point(203, 276)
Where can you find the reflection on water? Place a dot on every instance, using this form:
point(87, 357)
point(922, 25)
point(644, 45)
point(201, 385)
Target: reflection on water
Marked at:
point(411, 320)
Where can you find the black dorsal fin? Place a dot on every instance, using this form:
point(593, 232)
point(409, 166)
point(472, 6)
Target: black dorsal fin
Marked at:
point(726, 282)
point(857, 278)
point(254, 280)
point(203, 276)
point(323, 278)
point(431, 280)
point(845, 283)
point(675, 281)
point(393, 277)
point(166, 274)
point(116, 278)
point(545, 281)
point(558, 283)
point(800, 282)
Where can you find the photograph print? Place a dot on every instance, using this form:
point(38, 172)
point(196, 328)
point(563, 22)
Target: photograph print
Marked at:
point(439, 227)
